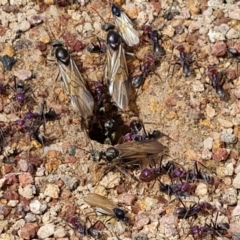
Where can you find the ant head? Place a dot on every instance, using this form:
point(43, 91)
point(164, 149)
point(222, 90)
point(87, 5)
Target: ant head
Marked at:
point(114, 40)
point(115, 10)
point(112, 153)
point(180, 48)
point(62, 55)
point(120, 214)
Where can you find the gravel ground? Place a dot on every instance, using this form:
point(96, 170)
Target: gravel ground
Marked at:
point(43, 185)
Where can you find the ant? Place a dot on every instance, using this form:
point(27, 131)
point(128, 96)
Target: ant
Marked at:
point(180, 189)
point(193, 210)
point(214, 229)
point(145, 68)
point(21, 89)
point(235, 54)
point(154, 37)
point(150, 174)
point(184, 60)
point(91, 231)
point(97, 48)
point(216, 80)
point(192, 175)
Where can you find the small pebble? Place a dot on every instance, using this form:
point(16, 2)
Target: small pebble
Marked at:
point(229, 169)
point(232, 34)
point(52, 191)
point(60, 232)
point(220, 154)
point(24, 74)
point(215, 36)
point(46, 231)
point(28, 231)
point(208, 143)
point(225, 123)
point(219, 49)
point(206, 154)
point(71, 182)
point(140, 236)
point(236, 181)
point(127, 199)
point(236, 211)
point(198, 86)
point(8, 62)
point(210, 111)
point(237, 92)
point(34, 20)
point(111, 180)
point(228, 138)
point(28, 191)
point(25, 179)
point(30, 217)
point(24, 26)
point(229, 196)
point(140, 221)
point(37, 207)
point(235, 14)
point(8, 50)
point(201, 189)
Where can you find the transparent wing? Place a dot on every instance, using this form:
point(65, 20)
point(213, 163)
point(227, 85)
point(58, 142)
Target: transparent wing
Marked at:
point(103, 204)
point(117, 77)
point(141, 149)
point(75, 87)
point(126, 30)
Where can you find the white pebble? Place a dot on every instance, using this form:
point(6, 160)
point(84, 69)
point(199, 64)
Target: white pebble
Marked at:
point(37, 207)
point(46, 231)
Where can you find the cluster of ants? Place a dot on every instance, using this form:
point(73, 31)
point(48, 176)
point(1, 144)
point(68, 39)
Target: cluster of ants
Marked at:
point(98, 105)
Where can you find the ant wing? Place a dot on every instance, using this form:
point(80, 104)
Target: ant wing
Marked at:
point(103, 205)
point(141, 149)
point(74, 86)
point(128, 33)
point(117, 76)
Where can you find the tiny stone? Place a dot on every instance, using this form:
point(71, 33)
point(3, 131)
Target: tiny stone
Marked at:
point(232, 34)
point(236, 211)
point(210, 111)
point(206, 154)
point(150, 202)
point(52, 191)
point(201, 189)
point(219, 49)
point(37, 207)
point(24, 74)
point(237, 92)
point(208, 143)
point(111, 180)
point(225, 123)
point(23, 164)
point(235, 14)
point(197, 86)
point(229, 196)
point(215, 36)
point(28, 231)
point(13, 203)
point(30, 217)
point(140, 236)
point(70, 182)
point(28, 191)
point(221, 154)
point(25, 179)
point(46, 231)
point(229, 169)
point(24, 26)
point(34, 20)
point(127, 199)
point(140, 221)
point(228, 138)
point(236, 181)
point(60, 232)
